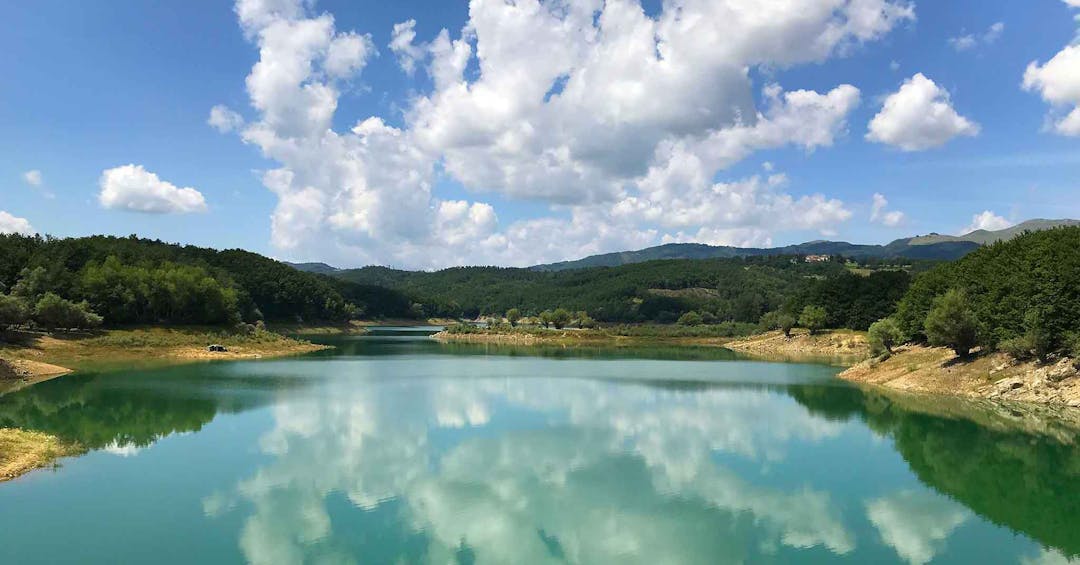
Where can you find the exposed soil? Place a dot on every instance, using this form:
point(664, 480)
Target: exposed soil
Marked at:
point(834, 344)
point(995, 376)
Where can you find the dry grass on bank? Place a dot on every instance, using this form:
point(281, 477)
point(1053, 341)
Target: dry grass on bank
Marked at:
point(22, 451)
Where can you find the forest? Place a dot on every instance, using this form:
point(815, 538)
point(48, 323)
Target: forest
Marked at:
point(82, 282)
point(721, 290)
point(1021, 296)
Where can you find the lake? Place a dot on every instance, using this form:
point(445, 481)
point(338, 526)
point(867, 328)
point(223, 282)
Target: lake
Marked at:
point(397, 449)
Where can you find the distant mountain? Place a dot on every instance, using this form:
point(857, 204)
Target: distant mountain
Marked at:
point(984, 237)
point(317, 268)
point(932, 246)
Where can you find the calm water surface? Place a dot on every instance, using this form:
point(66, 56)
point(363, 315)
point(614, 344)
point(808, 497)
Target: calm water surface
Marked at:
point(397, 449)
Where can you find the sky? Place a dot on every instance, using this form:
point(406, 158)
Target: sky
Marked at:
point(433, 133)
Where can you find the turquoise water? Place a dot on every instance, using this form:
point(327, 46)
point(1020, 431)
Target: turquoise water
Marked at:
point(398, 449)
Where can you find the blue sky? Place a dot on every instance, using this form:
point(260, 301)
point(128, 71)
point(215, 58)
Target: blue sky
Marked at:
point(448, 178)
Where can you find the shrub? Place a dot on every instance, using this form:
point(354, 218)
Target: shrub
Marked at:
point(951, 323)
point(513, 315)
point(584, 320)
point(1020, 348)
point(690, 318)
point(813, 318)
point(559, 318)
point(883, 335)
point(53, 312)
point(13, 311)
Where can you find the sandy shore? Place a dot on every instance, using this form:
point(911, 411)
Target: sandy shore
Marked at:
point(832, 344)
point(929, 370)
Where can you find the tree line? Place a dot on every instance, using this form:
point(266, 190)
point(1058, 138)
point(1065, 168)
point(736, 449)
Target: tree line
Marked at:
point(1020, 296)
point(140, 281)
point(738, 290)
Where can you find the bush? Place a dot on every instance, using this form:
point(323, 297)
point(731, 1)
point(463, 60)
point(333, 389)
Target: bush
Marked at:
point(1020, 348)
point(1039, 333)
point(883, 335)
point(584, 320)
point(559, 318)
point(53, 312)
point(513, 315)
point(13, 311)
point(690, 318)
point(951, 323)
point(813, 318)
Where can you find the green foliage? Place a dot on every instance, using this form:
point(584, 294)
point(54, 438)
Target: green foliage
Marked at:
point(53, 312)
point(32, 284)
point(141, 270)
point(513, 315)
point(560, 318)
point(778, 320)
point(813, 318)
point(690, 318)
point(738, 289)
point(883, 335)
point(13, 311)
point(1020, 347)
point(127, 294)
point(952, 323)
point(585, 321)
point(1003, 282)
point(1039, 332)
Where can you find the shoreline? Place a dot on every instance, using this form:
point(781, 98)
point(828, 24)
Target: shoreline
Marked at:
point(36, 358)
point(997, 377)
point(575, 337)
point(31, 358)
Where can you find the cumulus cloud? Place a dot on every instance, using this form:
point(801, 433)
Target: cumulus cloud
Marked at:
point(1058, 82)
point(881, 215)
point(618, 111)
point(33, 178)
point(970, 41)
point(915, 523)
point(919, 116)
point(14, 224)
point(133, 188)
point(223, 119)
point(988, 221)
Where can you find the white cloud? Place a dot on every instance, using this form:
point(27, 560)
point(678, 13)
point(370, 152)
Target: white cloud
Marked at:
point(133, 188)
point(401, 44)
point(880, 214)
point(589, 108)
point(919, 116)
point(915, 523)
point(970, 41)
point(988, 221)
point(223, 119)
point(14, 224)
point(33, 178)
point(1058, 81)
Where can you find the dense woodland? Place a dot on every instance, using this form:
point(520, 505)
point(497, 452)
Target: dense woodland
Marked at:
point(1021, 296)
point(139, 281)
point(725, 290)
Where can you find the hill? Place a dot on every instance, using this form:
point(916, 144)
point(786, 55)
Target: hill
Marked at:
point(738, 289)
point(129, 280)
point(926, 247)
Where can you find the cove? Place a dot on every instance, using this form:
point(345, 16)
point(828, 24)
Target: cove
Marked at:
point(394, 448)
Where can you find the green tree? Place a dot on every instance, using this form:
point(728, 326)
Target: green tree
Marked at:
point(584, 320)
point(546, 318)
point(513, 315)
point(53, 312)
point(952, 323)
point(884, 334)
point(813, 318)
point(560, 317)
point(13, 311)
point(32, 284)
point(1039, 333)
point(690, 318)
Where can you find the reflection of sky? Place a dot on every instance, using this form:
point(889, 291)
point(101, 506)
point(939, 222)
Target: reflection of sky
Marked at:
point(498, 464)
point(615, 473)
